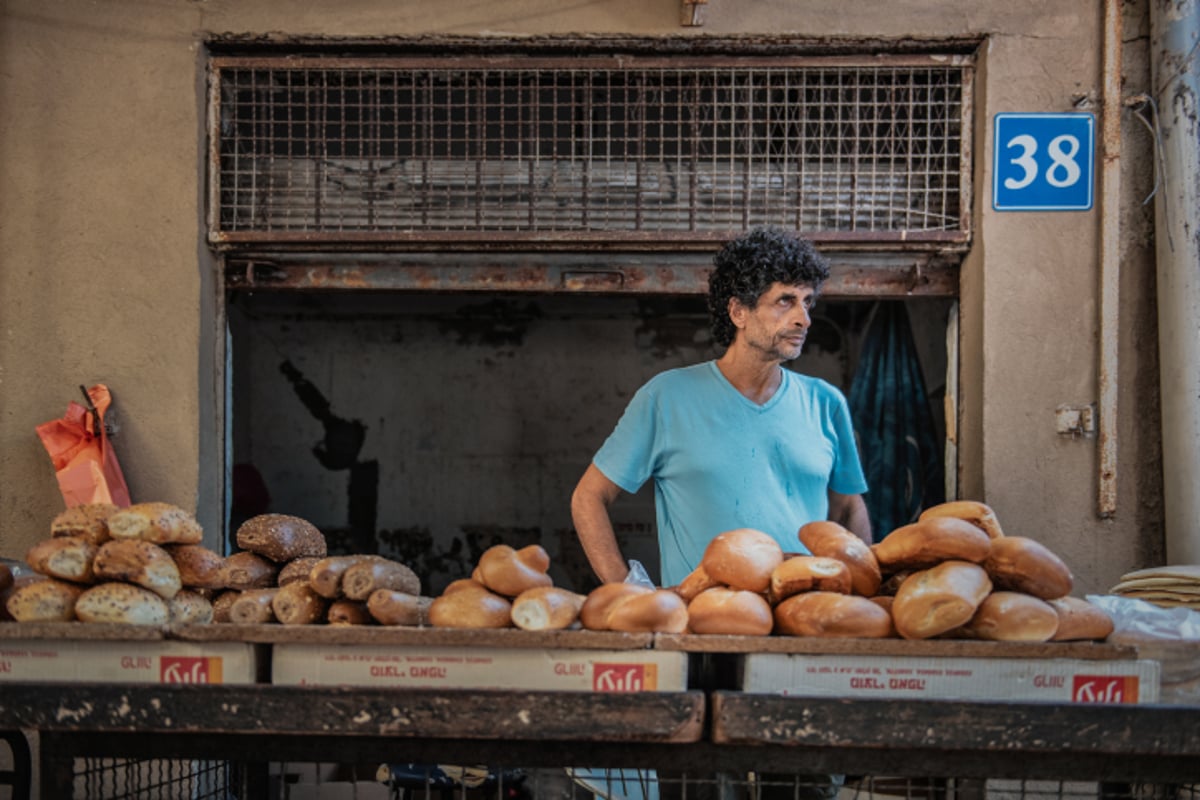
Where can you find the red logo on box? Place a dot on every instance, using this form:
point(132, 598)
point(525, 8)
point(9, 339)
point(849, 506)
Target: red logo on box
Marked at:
point(624, 677)
point(1104, 689)
point(190, 669)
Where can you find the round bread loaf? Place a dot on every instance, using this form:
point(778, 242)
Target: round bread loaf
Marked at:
point(470, 608)
point(696, 582)
point(656, 611)
point(509, 572)
point(546, 608)
point(743, 558)
point(809, 573)
point(925, 543)
point(1021, 564)
point(1013, 617)
point(89, 520)
point(832, 615)
point(199, 567)
point(593, 615)
point(831, 540)
point(1079, 620)
point(972, 511)
point(246, 570)
point(281, 537)
point(939, 599)
point(122, 602)
point(732, 612)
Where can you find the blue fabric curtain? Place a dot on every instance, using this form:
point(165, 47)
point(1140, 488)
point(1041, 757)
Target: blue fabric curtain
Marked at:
point(901, 451)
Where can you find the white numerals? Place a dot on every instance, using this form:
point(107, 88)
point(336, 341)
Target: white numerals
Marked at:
point(1063, 171)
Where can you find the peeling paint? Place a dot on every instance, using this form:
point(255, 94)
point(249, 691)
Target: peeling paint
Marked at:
point(76, 714)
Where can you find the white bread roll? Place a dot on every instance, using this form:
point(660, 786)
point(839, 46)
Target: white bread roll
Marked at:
point(389, 607)
point(139, 562)
point(43, 600)
point(468, 607)
point(1023, 565)
point(89, 520)
point(657, 611)
point(160, 523)
point(281, 537)
point(298, 604)
point(832, 615)
point(731, 612)
point(122, 602)
point(1079, 620)
point(253, 607)
point(594, 613)
point(364, 577)
point(939, 599)
point(925, 543)
point(509, 572)
point(831, 540)
point(245, 570)
point(1012, 617)
point(68, 558)
point(199, 567)
point(972, 511)
point(807, 574)
point(189, 608)
point(696, 582)
point(546, 608)
point(742, 559)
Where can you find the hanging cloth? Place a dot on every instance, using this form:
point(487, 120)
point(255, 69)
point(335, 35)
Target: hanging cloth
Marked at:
point(901, 454)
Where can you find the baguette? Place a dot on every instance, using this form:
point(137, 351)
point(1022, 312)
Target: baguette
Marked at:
point(364, 577)
point(126, 603)
point(348, 612)
point(199, 567)
point(388, 607)
point(298, 604)
point(253, 607)
point(732, 612)
point(139, 562)
point(160, 523)
point(68, 558)
point(245, 570)
point(281, 537)
point(89, 520)
point(831, 540)
point(1023, 565)
point(832, 615)
point(926, 543)
point(43, 600)
point(189, 608)
point(546, 608)
point(509, 572)
point(742, 559)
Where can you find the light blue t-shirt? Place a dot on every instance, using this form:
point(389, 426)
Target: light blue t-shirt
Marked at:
point(720, 461)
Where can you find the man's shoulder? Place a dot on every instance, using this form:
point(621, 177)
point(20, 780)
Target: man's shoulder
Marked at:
point(814, 387)
point(690, 376)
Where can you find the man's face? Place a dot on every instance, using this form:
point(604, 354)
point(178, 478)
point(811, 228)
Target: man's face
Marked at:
point(776, 327)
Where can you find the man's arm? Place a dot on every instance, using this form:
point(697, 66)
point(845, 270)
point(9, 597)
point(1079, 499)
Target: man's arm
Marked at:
point(589, 510)
point(850, 511)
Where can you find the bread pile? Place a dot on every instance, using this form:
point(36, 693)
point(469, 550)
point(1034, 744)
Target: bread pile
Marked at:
point(1175, 586)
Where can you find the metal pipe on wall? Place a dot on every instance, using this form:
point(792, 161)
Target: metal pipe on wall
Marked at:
point(1174, 37)
point(1110, 259)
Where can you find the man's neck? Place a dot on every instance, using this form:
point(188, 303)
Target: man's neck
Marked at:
point(756, 379)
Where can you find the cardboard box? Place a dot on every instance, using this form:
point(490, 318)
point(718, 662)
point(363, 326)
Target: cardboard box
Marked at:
point(1058, 680)
point(127, 661)
point(444, 667)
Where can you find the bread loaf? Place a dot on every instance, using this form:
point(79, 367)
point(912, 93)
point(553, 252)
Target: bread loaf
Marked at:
point(43, 600)
point(1079, 620)
point(891, 582)
point(742, 559)
point(364, 577)
point(348, 612)
point(281, 537)
point(298, 604)
point(389, 607)
point(199, 567)
point(189, 608)
point(832, 615)
point(939, 599)
point(546, 608)
point(731, 612)
point(509, 572)
point(1013, 617)
point(89, 521)
point(831, 540)
point(139, 562)
point(978, 514)
point(245, 570)
point(222, 603)
point(160, 523)
point(925, 543)
point(1021, 564)
point(696, 582)
point(656, 611)
point(298, 569)
point(594, 613)
point(253, 607)
point(809, 573)
point(67, 558)
point(121, 602)
point(467, 607)
point(326, 575)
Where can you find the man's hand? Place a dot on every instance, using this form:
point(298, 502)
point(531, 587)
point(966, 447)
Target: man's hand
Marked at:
point(850, 511)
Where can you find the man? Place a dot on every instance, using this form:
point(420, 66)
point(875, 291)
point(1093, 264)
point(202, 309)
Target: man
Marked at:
point(738, 442)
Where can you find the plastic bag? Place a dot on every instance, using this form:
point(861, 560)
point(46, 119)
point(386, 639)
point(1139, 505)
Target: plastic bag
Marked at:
point(1138, 619)
point(84, 461)
point(637, 574)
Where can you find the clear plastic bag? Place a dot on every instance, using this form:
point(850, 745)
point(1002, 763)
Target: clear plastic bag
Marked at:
point(1133, 618)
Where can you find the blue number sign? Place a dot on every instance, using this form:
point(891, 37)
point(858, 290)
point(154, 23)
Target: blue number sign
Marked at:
point(1044, 162)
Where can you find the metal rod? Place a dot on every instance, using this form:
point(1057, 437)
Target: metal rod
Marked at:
point(1110, 260)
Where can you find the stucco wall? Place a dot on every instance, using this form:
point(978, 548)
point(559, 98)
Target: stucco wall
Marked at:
point(104, 275)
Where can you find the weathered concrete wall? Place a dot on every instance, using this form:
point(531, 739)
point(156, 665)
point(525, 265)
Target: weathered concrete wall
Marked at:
point(105, 276)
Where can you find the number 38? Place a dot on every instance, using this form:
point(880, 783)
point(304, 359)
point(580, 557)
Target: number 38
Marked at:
point(1064, 171)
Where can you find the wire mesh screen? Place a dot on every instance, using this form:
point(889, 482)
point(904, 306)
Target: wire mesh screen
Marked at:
point(514, 151)
point(151, 779)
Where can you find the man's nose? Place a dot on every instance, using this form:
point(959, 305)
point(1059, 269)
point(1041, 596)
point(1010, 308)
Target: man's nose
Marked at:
point(802, 319)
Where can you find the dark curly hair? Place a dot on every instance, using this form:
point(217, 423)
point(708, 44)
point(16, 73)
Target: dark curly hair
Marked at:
point(747, 266)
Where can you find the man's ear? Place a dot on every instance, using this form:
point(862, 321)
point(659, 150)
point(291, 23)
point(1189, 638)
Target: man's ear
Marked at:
point(737, 312)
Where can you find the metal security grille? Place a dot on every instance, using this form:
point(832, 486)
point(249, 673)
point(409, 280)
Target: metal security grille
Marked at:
point(592, 149)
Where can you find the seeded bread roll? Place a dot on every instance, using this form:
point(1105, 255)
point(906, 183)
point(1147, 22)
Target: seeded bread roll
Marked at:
point(364, 577)
point(326, 575)
point(253, 607)
point(298, 569)
point(658, 611)
point(245, 570)
point(809, 573)
point(199, 567)
point(189, 608)
point(831, 540)
point(695, 583)
point(281, 537)
point(939, 599)
point(1079, 620)
point(467, 607)
point(67, 558)
point(139, 562)
point(348, 612)
point(388, 607)
point(222, 603)
point(160, 523)
point(509, 572)
point(89, 520)
point(298, 604)
point(1013, 617)
point(832, 615)
point(732, 612)
point(926, 543)
point(43, 600)
point(121, 602)
point(594, 613)
point(1024, 565)
point(742, 559)
point(546, 608)
point(976, 513)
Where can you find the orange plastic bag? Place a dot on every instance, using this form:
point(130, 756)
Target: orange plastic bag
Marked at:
point(83, 458)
